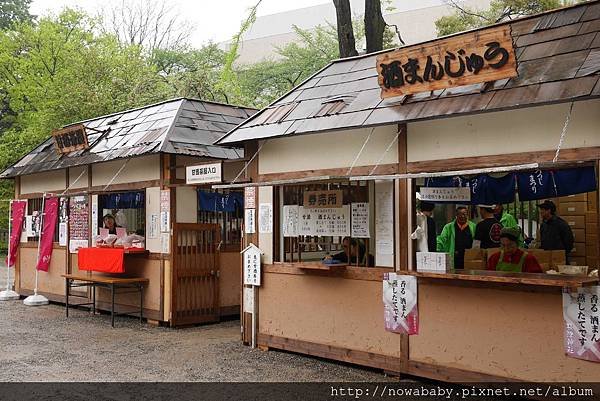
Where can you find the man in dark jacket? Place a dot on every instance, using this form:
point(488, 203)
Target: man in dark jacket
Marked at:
point(555, 233)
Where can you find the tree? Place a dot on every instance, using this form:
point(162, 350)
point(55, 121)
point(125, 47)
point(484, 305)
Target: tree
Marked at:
point(345, 32)
point(465, 18)
point(150, 24)
point(12, 11)
point(374, 25)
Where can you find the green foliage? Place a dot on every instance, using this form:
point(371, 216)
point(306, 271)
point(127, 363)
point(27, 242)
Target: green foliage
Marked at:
point(13, 11)
point(466, 18)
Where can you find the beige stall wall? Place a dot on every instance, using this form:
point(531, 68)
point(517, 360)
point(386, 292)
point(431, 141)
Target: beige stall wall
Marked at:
point(153, 207)
point(230, 279)
point(138, 169)
point(43, 182)
point(513, 334)
point(326, 310)
point(514, 131)
point(328, 150)
point(78, 177)
point(186, 205)
point(49, 282)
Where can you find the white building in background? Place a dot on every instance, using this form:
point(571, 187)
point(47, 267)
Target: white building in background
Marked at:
point(414, 18)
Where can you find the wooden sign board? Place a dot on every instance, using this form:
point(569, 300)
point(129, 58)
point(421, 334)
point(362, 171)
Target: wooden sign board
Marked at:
point(473, 57)
point(70, 139)
point(323, 199)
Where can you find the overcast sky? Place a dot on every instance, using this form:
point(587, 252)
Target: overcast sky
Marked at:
point(213, 20)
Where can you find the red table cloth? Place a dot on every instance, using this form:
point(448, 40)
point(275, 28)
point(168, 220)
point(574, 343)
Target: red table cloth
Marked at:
point(106, 260)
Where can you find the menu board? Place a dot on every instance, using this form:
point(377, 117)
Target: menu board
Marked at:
point(265, 218)
point(79, 215)
point(324, 222)
point(79, 228)
point(360, 220)
point(384, 222)
point(290, 220)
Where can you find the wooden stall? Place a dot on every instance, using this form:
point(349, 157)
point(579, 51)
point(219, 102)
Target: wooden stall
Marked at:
point(133, 165)
point(357, 124)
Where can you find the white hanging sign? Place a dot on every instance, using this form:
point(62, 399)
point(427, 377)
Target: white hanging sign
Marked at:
point(204, 173)
point(438, 194)
point(250, 221)
point(250, 197)
point(252, 265)
point(360, 220)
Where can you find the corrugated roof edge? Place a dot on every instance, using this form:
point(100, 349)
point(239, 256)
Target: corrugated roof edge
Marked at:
point(361, 56)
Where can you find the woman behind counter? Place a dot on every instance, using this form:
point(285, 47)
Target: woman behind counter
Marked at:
point(511, 258)
point(110, 223)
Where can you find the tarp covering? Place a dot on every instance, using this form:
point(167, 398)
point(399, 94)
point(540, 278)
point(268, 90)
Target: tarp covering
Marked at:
point(530, 185)
point(217, 202)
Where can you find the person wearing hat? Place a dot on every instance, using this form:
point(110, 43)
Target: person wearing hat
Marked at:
point(457, 236)
point(555, 233)
point(511, 258)
point(508, 220)
point(487, 231)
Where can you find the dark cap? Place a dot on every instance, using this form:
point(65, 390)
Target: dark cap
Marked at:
point(512, 233)
point(426, 206)
point(548, 205)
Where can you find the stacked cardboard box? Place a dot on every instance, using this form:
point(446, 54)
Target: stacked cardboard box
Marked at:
point(581, 213)
point(438, 262)
point(476, 259)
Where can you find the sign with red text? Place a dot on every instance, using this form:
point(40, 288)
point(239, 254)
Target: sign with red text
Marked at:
point(581, 312)
point(400, 311)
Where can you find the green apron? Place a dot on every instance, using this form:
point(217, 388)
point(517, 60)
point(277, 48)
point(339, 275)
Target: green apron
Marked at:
point(510, 267)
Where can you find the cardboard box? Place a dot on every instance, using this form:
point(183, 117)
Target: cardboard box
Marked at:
point(433, 262)
point(542, 256)
point(578, 234)
point(575, 221)
point(593, 263)
point(591, 250)
point(558, 258)
point(591, 217)
point(475, 264)
point(578, 249)
point(545, 267)
point(572, 208)
point(475, 254)
point(591, 228)
point(592, 201)
point(591, 239)
point(578, 260)
point(574, 198)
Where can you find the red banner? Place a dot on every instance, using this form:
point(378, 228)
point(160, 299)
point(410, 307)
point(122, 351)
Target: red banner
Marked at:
point(47, 236)
point(17, 212)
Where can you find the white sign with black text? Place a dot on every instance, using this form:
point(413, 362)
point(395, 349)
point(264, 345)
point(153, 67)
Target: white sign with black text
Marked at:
point(250, 221)
point(439, 194)
point(204, 173)
point(252, 265)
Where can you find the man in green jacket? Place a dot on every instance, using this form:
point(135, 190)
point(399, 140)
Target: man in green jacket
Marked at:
point(508, 221)
point(457, 236)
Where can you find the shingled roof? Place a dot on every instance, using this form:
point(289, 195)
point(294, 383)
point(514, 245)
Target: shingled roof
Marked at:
point(558, 59)
point(179, 126)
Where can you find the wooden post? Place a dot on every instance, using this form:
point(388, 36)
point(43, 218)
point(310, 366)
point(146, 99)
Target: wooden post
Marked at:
point(403, 202)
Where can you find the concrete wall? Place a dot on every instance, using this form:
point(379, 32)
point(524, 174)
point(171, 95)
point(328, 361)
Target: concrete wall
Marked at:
point(524, 130)
point(327, 150)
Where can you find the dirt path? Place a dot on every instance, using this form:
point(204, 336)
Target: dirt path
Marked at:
point(40, 344)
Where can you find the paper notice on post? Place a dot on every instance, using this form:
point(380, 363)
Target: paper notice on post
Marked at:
point(290, 220)
point(400, 310)
point(360, 220)
point(265, 218)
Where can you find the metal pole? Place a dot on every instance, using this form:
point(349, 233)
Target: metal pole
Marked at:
point(9, 243)
point(35, 290)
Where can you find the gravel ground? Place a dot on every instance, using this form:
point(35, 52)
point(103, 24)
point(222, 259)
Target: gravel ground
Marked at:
point(40, 344)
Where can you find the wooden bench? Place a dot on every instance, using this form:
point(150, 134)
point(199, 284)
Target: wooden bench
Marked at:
point(112, 283)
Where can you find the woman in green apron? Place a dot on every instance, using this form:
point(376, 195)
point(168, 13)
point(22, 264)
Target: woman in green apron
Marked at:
point(511, 258)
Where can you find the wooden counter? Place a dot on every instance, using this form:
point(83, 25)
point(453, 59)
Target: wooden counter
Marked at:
point(536, 279)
